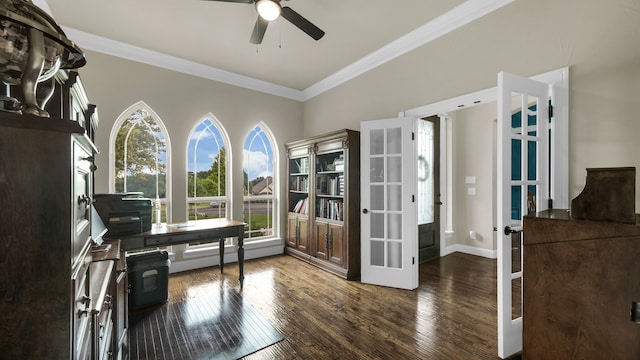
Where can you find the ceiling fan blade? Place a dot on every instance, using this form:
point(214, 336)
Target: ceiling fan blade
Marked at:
point(235, 1)
point(302, 23)
point(259, 30)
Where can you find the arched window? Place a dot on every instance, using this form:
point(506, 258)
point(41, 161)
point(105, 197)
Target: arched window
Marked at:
point(208, 159)
point(259, 164)
point(139, 155)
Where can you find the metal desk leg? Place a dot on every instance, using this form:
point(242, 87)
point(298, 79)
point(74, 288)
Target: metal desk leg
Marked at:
point(221, 251)
point(241, 258)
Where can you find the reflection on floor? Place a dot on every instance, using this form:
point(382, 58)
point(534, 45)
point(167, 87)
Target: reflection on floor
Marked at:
point(211, 324)
point(452, 315)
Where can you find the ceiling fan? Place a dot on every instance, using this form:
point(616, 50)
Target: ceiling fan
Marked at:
point(269, 10)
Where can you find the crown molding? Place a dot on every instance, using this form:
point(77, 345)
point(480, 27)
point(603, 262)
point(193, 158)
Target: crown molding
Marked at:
point(459, 16)
point(455, 18)
point(119, 49)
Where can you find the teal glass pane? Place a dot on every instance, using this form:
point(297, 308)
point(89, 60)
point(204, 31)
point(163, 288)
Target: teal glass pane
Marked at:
point(516, 159)
point(516, 202)
point(532, 169)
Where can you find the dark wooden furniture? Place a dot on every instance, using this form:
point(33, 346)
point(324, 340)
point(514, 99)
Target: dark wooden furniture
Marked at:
point(46, 184)
point(580, 279)
point(109, 308)
point(201, 231)
point(323, 200)
point(609, 194)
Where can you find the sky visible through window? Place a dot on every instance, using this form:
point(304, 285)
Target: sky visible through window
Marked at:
point(206, 142)
point(257, 155)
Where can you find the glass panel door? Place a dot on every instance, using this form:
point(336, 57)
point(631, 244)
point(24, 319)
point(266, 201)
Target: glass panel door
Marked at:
point(522, 189)
point(389, 235)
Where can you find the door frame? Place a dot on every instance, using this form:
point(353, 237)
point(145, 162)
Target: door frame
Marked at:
point(560, 143)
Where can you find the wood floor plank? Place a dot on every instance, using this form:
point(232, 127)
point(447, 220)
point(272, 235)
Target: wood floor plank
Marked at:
point(452, 315)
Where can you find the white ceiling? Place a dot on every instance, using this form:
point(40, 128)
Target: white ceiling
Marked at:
point(211, 39)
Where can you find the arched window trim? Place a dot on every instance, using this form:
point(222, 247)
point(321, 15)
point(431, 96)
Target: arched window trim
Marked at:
point(140, 105)
point(275, 181)
point(229, 156)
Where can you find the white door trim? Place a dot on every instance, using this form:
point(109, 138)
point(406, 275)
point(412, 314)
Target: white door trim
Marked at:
point(560, 184)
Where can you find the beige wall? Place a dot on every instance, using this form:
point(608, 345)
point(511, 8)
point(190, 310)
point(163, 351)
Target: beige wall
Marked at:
point(596, 39)
point(181, 101)
point(474, 134)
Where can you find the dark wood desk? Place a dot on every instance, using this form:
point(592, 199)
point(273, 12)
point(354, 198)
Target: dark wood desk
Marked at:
point(208, 230)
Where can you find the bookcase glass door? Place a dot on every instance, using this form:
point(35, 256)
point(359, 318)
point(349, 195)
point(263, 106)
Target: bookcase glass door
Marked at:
point(299, 185)
point(330, 186)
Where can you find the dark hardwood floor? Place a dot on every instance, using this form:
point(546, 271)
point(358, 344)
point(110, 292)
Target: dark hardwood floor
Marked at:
point(452, 315)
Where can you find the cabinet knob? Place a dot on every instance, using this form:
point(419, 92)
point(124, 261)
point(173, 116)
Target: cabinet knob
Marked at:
point(84, 199)
point(364, 211)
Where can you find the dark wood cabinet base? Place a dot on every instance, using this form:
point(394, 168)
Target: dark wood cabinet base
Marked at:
point(322, 264)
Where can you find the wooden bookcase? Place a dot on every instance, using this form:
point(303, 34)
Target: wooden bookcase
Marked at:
point(323, 200)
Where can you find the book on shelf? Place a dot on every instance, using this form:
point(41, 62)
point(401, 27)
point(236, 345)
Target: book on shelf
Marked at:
point(336, 185)
point(330, 209)
point(301, 206)
point(300, 183)
point(321, 187)
point(304, 165)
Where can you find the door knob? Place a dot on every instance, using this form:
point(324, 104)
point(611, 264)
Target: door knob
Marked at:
point(509, 231)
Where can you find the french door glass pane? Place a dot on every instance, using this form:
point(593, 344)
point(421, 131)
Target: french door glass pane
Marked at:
point(394, 198)
point(376, 170)
point(532, 168)
point(377, 142)
point(394, 226)
point(377, 197)
point(516, 252)
point(394, 141)
point(394, 255)
point(516, 298)
point(394, 169)
point(516, 202)
point(377, 226)
point(377, 253)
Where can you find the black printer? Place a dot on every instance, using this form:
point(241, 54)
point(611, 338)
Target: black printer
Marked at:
point(124, 213)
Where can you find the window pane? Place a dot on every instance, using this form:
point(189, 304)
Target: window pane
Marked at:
point(141, 156)
point(258, 181)
point(207, 162)
point(206, 210)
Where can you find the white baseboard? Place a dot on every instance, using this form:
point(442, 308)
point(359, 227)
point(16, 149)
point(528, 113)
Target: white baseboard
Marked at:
point(471, 250)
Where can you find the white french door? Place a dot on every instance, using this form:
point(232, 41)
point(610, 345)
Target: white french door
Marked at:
point(523, 187)
point(389, 230)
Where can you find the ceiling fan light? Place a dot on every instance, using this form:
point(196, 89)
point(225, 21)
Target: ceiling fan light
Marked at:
point(268, 9)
